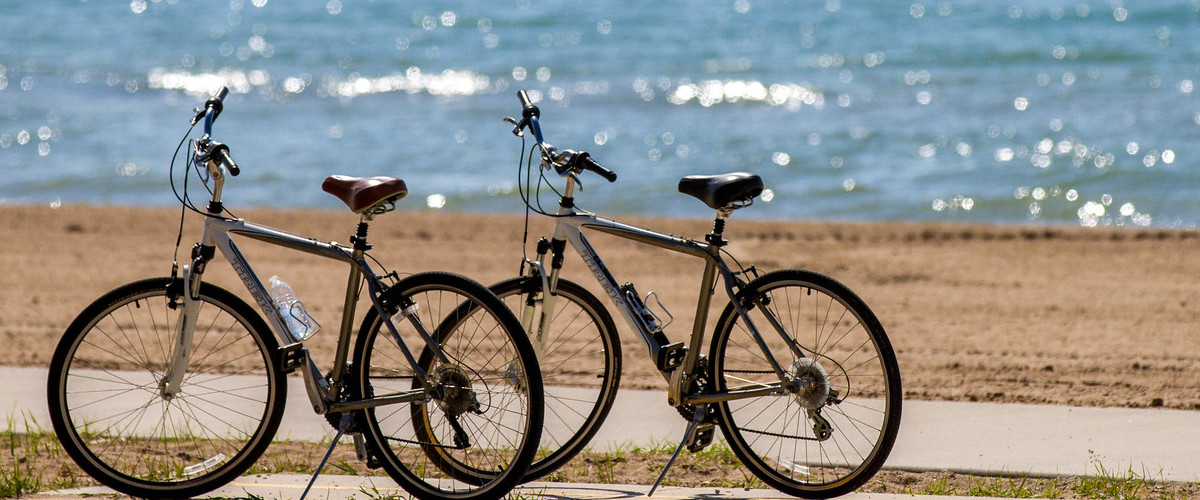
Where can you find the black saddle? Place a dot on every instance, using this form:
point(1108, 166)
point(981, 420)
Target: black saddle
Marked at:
point(725, 191)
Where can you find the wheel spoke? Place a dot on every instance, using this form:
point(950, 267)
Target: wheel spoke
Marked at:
point(472, 435)
point(138, 440)
point(776, 435)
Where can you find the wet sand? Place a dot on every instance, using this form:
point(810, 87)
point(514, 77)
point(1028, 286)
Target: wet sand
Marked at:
point(1070, 316)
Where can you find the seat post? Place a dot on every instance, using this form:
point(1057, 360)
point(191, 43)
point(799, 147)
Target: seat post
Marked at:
point(360, 237)
point(715, 238)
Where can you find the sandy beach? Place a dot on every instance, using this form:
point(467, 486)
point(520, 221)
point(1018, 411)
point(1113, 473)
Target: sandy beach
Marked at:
point(1068, 316)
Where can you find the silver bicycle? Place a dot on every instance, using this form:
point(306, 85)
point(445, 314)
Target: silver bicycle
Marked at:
point(800, 375)
point(171, 387)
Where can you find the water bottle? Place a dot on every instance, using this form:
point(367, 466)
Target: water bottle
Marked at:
point(295, 318)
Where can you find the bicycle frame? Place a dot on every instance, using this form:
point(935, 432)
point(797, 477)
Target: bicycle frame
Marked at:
point(569, 227)
point(324, 393)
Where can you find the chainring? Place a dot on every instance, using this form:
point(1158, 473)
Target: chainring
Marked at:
point(701, 384)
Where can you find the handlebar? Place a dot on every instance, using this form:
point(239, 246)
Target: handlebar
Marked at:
point(221, 153)
point(586, 162)
point(207, 149)
point(565, 162)
point(528, 109)
point(214, 104)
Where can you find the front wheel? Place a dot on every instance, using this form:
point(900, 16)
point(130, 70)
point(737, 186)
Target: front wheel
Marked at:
point(113, 417)
point(475, 432)
point(580, 357)
point(831, 429)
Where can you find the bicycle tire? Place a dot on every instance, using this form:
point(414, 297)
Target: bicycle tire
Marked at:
point(417, 443)
point(112, 419)
point(580, 362)
point(833, 435)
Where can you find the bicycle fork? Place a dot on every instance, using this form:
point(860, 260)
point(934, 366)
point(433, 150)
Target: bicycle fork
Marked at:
point(185, 325)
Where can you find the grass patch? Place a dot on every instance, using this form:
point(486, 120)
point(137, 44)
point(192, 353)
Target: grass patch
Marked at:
point(33, 461)
point(1103, 485)
point(1111, 484)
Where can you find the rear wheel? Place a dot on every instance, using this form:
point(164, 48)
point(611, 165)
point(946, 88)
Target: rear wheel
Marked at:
point(108, 406)
point(831, 431)
point(476, 430)
point(580, 357)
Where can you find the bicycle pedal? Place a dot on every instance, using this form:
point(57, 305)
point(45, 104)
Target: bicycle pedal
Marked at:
point(291, 357)
point(703, 438)
point(670, 356)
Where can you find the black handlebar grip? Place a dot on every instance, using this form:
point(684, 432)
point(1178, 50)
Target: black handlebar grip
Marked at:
point(528, 108)
point(585, 160)
point(216, 103)
point(221, 151)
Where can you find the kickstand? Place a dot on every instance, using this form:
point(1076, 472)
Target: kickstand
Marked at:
point(688, 438)
point(342, 426)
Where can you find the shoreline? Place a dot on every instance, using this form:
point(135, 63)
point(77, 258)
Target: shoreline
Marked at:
point(1016, 314)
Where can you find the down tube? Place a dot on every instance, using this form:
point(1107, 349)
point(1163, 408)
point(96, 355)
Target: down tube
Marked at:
point(221, 230)
point(609, 284)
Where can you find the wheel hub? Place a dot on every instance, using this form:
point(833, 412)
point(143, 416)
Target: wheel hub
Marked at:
point(457, 395)
point(811, 383)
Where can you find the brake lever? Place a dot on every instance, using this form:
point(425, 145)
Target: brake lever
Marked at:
point(198, 114)
point(518, 127)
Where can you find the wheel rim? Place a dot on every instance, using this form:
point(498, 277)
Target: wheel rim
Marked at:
point(119, 417)
point(577, 372)
point(828, 431)
point(462, 441)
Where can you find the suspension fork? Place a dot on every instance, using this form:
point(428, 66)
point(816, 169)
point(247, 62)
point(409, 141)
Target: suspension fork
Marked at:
point(546, 284)
point(185, 325)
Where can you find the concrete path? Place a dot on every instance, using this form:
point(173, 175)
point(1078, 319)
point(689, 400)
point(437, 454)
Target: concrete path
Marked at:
point(962, 437)
point(287, 486)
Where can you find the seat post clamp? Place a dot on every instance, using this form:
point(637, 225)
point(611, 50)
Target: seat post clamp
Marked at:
point(715, 237)
point(360, 238)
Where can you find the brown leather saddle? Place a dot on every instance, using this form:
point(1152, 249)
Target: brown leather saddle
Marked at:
point(363, 194)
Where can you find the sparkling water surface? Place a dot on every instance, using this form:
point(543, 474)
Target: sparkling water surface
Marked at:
point(1026, 112)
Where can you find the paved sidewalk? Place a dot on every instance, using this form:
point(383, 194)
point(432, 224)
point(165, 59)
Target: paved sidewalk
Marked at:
point(286, 486)
point(962, 437)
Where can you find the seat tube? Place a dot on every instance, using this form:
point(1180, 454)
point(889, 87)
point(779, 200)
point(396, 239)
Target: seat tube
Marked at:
point(701, 322)
point(348, 307)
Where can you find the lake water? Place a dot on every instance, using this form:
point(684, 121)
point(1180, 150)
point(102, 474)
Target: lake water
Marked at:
point(1025, 112)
